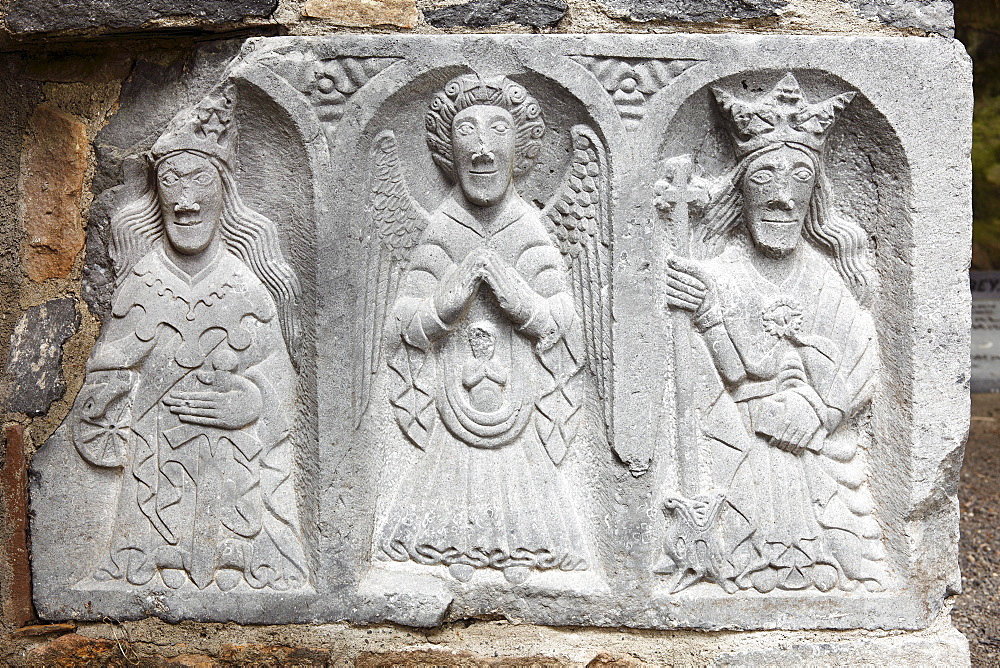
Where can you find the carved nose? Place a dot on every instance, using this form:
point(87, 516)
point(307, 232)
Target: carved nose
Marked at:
point(782, 203)
point(482, 158)
point(186, 206)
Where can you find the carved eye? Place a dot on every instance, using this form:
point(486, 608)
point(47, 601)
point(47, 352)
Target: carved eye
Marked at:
point(465, 129)
point(168, 179)
point(762, 177)
point(500, 127)
point(203, 179)
point(802, 174)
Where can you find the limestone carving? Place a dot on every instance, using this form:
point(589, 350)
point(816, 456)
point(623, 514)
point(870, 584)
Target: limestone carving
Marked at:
point(190, 390)
point(488, 312)
point(775, 285)
point(631, 81)
point(327, 82)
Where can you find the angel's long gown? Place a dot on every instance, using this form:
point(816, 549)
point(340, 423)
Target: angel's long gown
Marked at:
point(492, 408)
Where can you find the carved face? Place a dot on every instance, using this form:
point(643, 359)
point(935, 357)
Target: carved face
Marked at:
point(483, 145)
point(777, 188)
point(190, 190)
point(482, 340)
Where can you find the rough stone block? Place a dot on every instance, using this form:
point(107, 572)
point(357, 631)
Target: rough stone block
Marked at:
point(482, 13)
point(17, 607)
point(34, 16)
point(55, 166)
point(694, 11)
point(363, 13)
point(930, 15)
point(34, 365)
point(621, 331)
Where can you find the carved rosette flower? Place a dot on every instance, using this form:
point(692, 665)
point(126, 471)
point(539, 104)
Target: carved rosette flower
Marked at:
point(783, 318)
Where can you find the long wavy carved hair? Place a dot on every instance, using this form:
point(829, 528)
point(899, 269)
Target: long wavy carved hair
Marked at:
point(137, 228)
point(467, 90)
point(843, 239)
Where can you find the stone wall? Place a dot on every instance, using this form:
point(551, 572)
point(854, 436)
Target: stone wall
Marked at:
point(68, 68)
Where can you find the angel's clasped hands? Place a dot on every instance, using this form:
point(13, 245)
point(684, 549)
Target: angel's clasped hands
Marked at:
point(483, 265)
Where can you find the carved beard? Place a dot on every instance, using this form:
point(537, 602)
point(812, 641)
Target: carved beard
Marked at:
point(775, 240)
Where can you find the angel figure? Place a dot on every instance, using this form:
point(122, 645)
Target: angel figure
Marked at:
point(491, 310)
point(793, 354)
point(190, 389)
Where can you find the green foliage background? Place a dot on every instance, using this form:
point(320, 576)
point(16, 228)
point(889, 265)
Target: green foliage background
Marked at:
point(977, 24)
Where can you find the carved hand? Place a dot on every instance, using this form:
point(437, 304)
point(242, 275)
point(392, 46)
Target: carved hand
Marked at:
point(513, 293)
point(458, 287)
point(689, 286)
point(795, 427)
point(232, 403)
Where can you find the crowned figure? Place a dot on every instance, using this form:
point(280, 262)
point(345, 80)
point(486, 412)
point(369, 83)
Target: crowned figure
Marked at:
point(793, 354)
point(487, 343)
point(190, 389)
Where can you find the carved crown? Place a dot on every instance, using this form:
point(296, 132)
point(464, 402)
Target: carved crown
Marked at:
point(782, 115)
point(208, 127)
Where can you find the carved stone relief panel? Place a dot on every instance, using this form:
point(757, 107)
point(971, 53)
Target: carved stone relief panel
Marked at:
point(616, 331)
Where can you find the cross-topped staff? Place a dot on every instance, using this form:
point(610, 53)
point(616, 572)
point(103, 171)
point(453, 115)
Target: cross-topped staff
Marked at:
point(692, 548)
point(680, 188)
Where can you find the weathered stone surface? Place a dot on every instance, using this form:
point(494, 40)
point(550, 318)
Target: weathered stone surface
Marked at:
point(73, 650)
point(930, 15)
point(17, 607)
point(34, 365)
point(36, 630)
point(55, 166)
point(695, 11)
point(943, 646)
point(33, 16)
point(363, 13)
point(482, 13)
point(611, 331)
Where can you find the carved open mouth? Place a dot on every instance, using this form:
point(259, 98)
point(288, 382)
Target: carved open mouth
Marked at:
point(480, 172)
point(188, 223)
point(779, 222)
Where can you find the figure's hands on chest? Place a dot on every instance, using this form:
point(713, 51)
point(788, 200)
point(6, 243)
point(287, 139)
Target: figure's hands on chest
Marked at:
point(788, 422)
point(513, 293)
point(483, 265)
point(460, 284)
point(230, 402)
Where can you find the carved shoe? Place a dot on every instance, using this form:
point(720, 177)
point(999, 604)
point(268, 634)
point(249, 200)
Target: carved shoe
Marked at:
point(173, 577)
point(461, 572)
point(516, 574)
point(227, 578)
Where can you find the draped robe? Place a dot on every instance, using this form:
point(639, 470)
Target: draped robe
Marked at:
point(195, 500)
point(792, 520)
point(492, 405)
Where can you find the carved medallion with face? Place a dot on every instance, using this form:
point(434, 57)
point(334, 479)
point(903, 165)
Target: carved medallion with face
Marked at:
point(483, 145)
point(777, 188)
point(190, 191)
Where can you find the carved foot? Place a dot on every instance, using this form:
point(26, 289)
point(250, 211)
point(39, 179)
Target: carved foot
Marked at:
point(516, 574)
point(173, 577)
point(227, 578)
point(461, 572)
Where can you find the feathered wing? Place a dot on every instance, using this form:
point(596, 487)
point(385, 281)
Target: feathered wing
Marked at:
point(581, 225)
point(394, 222)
